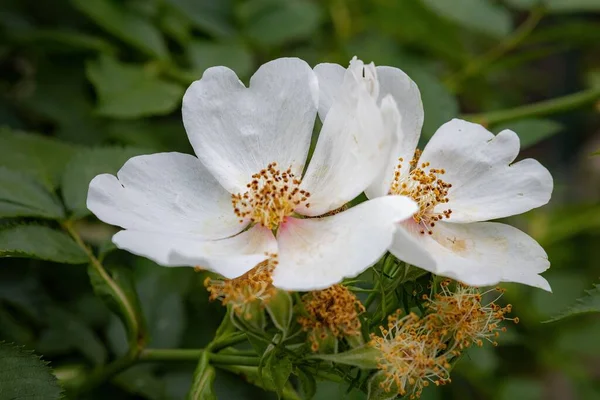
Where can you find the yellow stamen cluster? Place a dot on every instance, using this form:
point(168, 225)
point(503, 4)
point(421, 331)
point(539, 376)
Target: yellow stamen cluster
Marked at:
point(412, 355)
point(463, 314)
point(254, 285)
point(272, 195)
point(333, 311)
point(417, 351)
point(423, 185)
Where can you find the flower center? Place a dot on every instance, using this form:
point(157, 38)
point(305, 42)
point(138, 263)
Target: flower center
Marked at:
point(424, 185)
point(272, 195)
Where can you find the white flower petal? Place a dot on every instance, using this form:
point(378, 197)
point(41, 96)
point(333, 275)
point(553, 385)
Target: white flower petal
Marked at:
point(331, 77)
point(484, 183)
point(165, 192)
point(230, 257)
point(352, 148)
point(407, 130)
point(317, 253)
point(237, 131)
point(477, 254)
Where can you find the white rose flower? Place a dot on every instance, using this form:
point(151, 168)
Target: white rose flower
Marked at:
point(243, 199)
point(464, 176)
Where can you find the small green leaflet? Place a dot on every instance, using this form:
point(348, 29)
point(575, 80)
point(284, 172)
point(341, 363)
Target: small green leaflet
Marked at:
point(22, 196)
point(39, 156)
point(131, 27)
point(587, 304)
point(41, 242)
point(130, 90)
point(23, 375)
point(363, 357)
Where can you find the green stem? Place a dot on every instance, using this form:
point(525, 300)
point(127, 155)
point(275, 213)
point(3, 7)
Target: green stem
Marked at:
point(120, 297)
point(227, 341)
point(106, 372)
point(511, 42)
point(546, 107)
point(136, 337)
point(150, 355)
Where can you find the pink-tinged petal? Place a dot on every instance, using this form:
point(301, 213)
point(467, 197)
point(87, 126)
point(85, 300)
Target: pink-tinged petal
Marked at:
point(317, 253)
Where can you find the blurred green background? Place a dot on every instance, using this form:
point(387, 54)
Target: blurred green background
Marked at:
point(106, 78)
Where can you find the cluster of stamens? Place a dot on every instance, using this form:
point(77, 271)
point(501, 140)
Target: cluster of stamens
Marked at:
point(466, 317)
point(333, 311)
point(272, 195)
point(255, 285)
point(416, 352)
point(424, 186)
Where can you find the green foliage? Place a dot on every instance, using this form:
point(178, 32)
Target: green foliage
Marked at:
point(131, 91)
point(209, 16)
point(117, 291)
point(84, 167)
point(38, 156)
point(279, 308)
point(274, 22)
point(363, 357)
point(23, 375)
point(127, 25)
point(39, 242)
point(587, 304)
point(376, 392)
point(479, 15)
point(531, 131)
point(22, 196)
point(204, 378)
point(204, 54)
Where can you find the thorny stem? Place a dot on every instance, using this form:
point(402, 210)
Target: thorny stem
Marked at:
point(477, 65)
point(546, 107)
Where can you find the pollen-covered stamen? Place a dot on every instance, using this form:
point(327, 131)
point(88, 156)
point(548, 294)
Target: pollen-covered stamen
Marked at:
point(333, 311)
point(412, 356)
point(424, 185)
point(462, 314)
point(254, 285)
point(272, 195)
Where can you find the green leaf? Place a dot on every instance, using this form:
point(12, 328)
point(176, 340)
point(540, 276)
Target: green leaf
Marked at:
point(21, 196)
point(532, 130)
point(117, 290)
point(273, 23)
point(376, 392)
point(279, 371)
point(131, 27)
point(208, 15)
point(363, 357)
point(279, 308)
point(84, 167)
point(204, 378)
point(585, 305)
point(23, 375)
point(41, 157)
point(204, 54)
point(70, 332)
point(307, 383)
point(67, 41)
point(572, 5)
point(131, 91)
point(477, 15)
point(40, 242)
